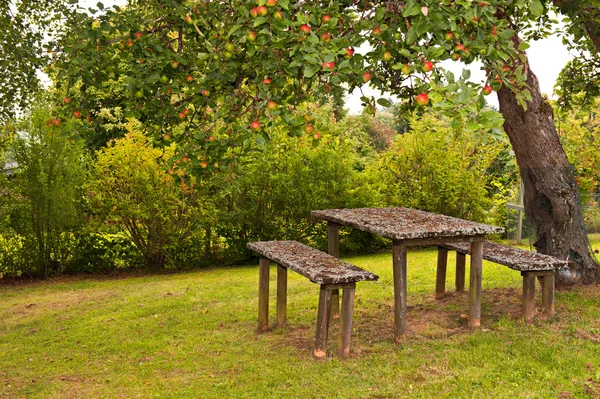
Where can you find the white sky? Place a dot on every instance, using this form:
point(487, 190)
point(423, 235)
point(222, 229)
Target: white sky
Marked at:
point(547, 58)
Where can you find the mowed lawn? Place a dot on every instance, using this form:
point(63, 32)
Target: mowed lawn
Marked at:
point(193, 335)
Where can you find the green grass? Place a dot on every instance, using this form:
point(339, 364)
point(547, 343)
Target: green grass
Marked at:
point(193, 335)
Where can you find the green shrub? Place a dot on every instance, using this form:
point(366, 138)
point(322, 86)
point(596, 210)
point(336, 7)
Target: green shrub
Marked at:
point(133, 188)
point(46, 191)
point(437, 169)
point(270, 193)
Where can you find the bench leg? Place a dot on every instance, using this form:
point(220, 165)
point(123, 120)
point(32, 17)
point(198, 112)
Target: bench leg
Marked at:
point(333, 248)
point(475, 284)
point(459, 281)
point(346, 322)
point(548, 294)
point(281, 296)
point(440, 276)
point(322, 323)
point(528, 296)
point(263, 294)
point(399, 265)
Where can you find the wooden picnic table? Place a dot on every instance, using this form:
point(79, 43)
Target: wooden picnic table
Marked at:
point(411, 227)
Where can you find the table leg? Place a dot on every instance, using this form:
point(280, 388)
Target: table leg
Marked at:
point(322, 323)
point(263, 293)
point(346, 322)
point(475, 284)
point(333, 247)
point(281, 296)
point(548, 294)
point(399, 264)
point(440, 276)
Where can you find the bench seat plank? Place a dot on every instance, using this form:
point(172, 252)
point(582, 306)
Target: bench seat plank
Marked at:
point(317, 266)
point(515, 258)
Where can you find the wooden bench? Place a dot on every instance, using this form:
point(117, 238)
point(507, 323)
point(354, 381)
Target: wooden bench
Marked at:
point(530, 264)
point(328, 271)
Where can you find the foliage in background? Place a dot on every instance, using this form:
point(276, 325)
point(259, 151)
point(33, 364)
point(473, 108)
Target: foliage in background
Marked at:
point(579, 132)
point(46, 195)
point(436, 168)
point(132, 188)
point(270, 192)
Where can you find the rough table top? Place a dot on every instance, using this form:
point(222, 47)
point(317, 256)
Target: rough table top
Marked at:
point(515, 258)
point(406, 223)
point(317, 266)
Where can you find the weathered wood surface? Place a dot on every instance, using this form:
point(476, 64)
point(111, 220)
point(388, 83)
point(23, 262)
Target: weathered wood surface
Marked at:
point(346, 323)
point(263, 294)
point(440, 277)
point(400, 292)
point(317, 266)
point(320, 351)
point(404, 223)
point(281, 296)
point(475, 284)
point(459, 279)
point(515, 258)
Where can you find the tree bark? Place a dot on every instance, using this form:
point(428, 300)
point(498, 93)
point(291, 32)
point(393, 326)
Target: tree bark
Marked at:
point(551, 196)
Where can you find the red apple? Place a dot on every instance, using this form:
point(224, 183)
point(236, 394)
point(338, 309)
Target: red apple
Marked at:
point(66, 100)
point(366, 76)
point(278, 15)
point(271, 3)
point(326, 37)
point(129, 43)
point(175, 64)
point(262, 11)
point(272, 105)
point(448, 36)
point(251, 36)
point(349, 52)
point(422, 99)
point(326, 18)
point(459, 47)
point(77, 114)
point(309, 128)
point(204, 164)
point(181, 115)
point(317, 136)
point(138, 35)
point(254, 12)
point(255, 125)
point(267, 81)
point(189, 78)
point(56, 122)
point(455, 56)
point(305, 28)
point(387, 56)
point(188, 19)
point(487, 90)
point(427, 66)
point(376, 30)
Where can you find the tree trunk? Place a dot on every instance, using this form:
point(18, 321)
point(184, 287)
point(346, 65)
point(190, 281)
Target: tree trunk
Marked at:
point(551, 195)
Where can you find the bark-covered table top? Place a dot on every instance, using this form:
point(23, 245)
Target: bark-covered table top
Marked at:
point(405, 223)
point(317, 266)
point(515, 258)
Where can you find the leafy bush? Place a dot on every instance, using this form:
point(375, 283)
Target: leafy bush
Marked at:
point(270, 193)
point(46, 191)
point(133, 188)
point(437, 169)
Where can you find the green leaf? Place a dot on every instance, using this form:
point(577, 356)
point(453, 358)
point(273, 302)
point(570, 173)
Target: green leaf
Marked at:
point(536, 8)
point(311, 70)
point(259, 21)
point(411, 8)
point(285, 4)
point(384, 102)
point(466, 74)
point(100, 6)
point(379, 13)
point(523, 46)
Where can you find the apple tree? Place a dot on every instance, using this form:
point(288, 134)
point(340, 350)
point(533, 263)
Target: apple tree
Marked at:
point(210, 75)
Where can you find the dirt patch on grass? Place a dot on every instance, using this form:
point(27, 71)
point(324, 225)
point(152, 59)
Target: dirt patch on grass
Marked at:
point(427, 319)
